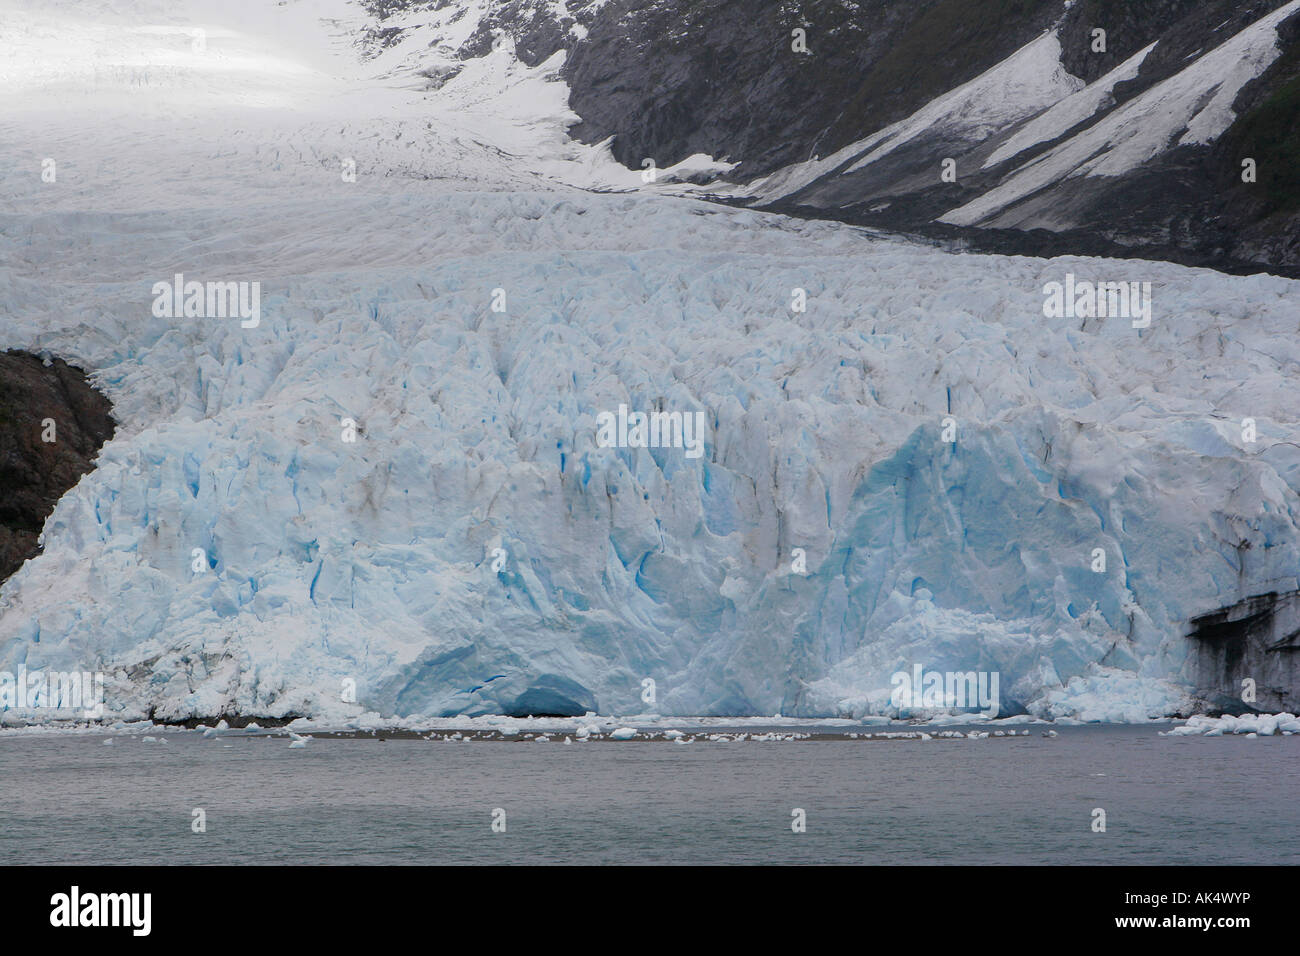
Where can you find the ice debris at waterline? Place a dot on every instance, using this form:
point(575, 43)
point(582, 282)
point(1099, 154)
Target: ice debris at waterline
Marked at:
point(1263, 725)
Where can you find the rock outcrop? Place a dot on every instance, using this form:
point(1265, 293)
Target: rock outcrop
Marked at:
point(1255, 640)
point(52, 424)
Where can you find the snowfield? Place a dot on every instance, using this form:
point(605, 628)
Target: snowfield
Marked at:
point(946, 458)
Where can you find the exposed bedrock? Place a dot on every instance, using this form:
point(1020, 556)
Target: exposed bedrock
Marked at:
point(1256, 640)
point(52, 425)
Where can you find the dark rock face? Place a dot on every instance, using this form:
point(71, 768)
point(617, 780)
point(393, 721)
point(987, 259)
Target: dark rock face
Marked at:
point(1256, 639)
point(40, 402)
point(1182, 26)
point(538, 28)
point(669, 78)
point(531, 24)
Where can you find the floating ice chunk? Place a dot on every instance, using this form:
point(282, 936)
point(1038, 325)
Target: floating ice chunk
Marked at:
point(1247, 725)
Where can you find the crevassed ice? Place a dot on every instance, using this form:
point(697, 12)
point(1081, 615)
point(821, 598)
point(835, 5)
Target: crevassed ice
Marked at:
point(373, 560)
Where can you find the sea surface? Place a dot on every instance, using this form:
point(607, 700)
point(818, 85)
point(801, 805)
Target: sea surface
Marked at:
point(71, 798)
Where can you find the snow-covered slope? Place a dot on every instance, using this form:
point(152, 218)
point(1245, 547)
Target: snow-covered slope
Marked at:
point(1192, 107)
point(474, 549)
point(1026, 83)
point(1067, 113)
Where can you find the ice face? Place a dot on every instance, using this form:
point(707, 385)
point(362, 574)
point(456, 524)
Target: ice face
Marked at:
point(393, 482)
point(473, 545)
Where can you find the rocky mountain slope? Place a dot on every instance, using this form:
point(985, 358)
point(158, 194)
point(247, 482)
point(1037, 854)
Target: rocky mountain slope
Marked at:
point(1061, 139)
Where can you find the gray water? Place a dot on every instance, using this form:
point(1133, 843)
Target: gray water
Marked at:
point(1185, 800)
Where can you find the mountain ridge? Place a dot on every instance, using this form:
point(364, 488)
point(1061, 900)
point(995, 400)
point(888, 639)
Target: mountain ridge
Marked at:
point(664, 80)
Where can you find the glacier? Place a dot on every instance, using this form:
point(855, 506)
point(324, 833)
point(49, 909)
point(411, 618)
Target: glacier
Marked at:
point(391, 483)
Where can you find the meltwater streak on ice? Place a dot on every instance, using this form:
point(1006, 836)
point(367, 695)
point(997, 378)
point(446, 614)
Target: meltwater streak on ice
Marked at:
point(373, 560)
point(1188, 801)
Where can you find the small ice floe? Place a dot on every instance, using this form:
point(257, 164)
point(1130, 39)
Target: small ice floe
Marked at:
point(1050, 733)
point(297, 740)
point(567, 740)
point(149, 740)
point(583, 732)
point(925, 736)
point(1247, 725)
point(623, 733)
point(252, 727)
point(108, 742)
point(673, 734)
point(683, 740)
point(543, 739)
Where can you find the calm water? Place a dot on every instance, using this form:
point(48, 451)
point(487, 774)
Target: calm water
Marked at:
point(71, 799)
